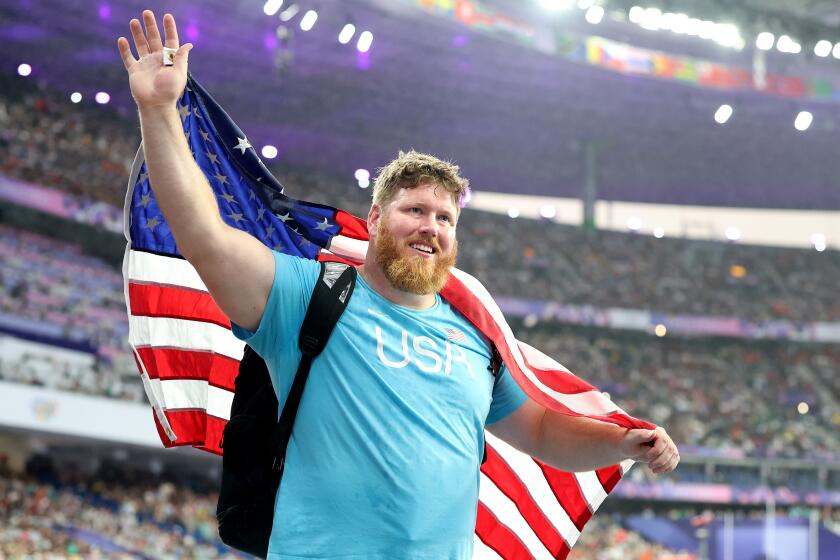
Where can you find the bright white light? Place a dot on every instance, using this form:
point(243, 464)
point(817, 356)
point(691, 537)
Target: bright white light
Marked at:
point(308, 20)
point(634, 223)
point(513, 212)
point(595, 14)
point(727, 35)
point(362, 175)
point(102, 98)
point(659, 232)
point(24, 69)
point(363, 183)
point(693, 26)
point(269, 151)
point(548, 211)
point(835, 52)
point(289, 12)
point(707, 29)
point(803, 121)
point(651, 18)
point(787, 45)
point(733, 233)
point(585, 4)
point(679, 23)
point(271, 7)
point(75, 97)
point(803, 408)
point(347, 33)
point(818, 239)
point(723, 113)
point(765, 40)
point(365, 40)
point(823, 48)
point(666, 22)
point(636, 14)
point(555, 5)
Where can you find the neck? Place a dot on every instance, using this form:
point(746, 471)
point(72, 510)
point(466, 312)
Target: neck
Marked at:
point(376, 279)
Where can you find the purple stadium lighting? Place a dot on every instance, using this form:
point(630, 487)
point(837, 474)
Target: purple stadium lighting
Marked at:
point(271, 7)
point(362, 60)
point(24, 69)
point(459, 40)
point(289, 12)
point(102, 98)
point(347, 33)
point(270, 41)
point(104, 11)
point(308, 20)
point(192, 31)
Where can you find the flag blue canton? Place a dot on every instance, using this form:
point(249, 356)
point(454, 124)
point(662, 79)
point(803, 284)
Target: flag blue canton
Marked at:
point(249, 197)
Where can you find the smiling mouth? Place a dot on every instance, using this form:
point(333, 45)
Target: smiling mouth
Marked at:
point(423, 249)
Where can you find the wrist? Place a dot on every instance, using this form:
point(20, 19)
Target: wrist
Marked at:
point(157, 109)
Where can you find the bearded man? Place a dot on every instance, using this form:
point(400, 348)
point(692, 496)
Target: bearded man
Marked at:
point(384, 458)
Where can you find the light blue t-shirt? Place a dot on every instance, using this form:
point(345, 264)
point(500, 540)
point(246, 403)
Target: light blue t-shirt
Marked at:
point(384, 458)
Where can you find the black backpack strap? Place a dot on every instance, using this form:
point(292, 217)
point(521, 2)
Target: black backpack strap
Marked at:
point(495, 367)
point(330, 296)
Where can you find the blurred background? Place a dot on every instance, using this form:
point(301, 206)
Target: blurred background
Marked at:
point(656, 205)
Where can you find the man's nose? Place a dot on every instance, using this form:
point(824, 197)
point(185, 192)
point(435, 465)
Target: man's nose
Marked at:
point(429, 226)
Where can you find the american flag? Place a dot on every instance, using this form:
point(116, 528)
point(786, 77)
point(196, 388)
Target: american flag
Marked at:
point(188, 357)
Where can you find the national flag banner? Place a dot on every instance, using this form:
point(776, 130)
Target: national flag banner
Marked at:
point(188, 357)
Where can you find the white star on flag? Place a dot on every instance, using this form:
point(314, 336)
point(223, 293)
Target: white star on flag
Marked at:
point(243, 144)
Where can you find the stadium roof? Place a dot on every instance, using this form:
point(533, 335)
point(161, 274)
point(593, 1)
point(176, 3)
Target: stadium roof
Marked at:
point(515, 119)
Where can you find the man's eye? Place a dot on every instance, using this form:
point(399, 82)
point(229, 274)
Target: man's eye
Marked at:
point(414, 210)
point(445, 218)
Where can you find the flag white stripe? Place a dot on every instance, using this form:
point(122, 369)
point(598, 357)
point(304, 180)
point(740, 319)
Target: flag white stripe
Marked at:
point(194, 394)
point(158, 269)
point(347, 247)
point(591, 488)
point(505, 511)
point(190, 335)
point(590, 403)
point(534, 480)
point(483, 552)
point(626, 465)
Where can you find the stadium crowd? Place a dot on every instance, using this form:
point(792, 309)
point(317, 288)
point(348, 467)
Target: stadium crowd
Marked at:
point(86, 151)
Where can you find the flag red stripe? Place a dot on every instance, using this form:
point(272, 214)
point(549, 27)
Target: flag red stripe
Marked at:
point(193, 427)
point(174, 363)
point(567, 491)
point(509, 483)
point(609, 477)
point(351, 226)
point(149, 300)
point(499, 537)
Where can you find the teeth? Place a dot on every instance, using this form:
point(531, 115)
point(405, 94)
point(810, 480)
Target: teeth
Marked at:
point(424, 248)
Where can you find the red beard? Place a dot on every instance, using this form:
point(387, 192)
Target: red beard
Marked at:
point(412, 274)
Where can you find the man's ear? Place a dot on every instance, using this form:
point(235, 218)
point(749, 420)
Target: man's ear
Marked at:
point(374, 215)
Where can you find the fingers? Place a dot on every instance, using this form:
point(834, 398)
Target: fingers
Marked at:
point(182, 57)
point(125, 52)
point(170, 32)
point(663, 457)
point(140, 44)
point(152, 33)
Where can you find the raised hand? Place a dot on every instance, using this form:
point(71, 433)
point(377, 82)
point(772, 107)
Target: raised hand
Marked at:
point(153, 84)
point(653, 447)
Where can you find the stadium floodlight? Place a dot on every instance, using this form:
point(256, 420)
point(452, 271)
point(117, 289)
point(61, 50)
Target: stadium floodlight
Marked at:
point(513, 212)
point(823, 48)
point(732, 233)
point(347, 33)
point(585, 4)
point(835, 52)
point(634, 223)
point(727, 35)
point(803, 408)
point(271, 7)
point(693, 27)
point(365, 41)
point(636, 14)
point(659, 232)
point(269, 152)
point(666, 22)
point(308, 20)
point(818, 240)
point(548, 211)
point(679, 24)
point(803, 121)
point(595, 14)
point(289, 12)
point(651, 19)
point(765, 41)
point(787, 45)
point(102, 98)
point(75, 97)
point(723, 113)
point(363, 183)
point(707, 29)
point(660, 330)
point(555, 5)
point(24, 69)
point(362, 175)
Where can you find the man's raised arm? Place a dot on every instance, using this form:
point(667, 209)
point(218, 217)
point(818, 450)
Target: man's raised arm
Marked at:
point(237, 269)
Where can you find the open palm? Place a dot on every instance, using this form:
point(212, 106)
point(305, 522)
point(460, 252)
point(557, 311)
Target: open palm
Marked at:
point(152, 83)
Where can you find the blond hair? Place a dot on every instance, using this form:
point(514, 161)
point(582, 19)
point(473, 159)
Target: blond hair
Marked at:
point(411, 169)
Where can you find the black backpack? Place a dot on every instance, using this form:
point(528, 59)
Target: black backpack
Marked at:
point(254, 444)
